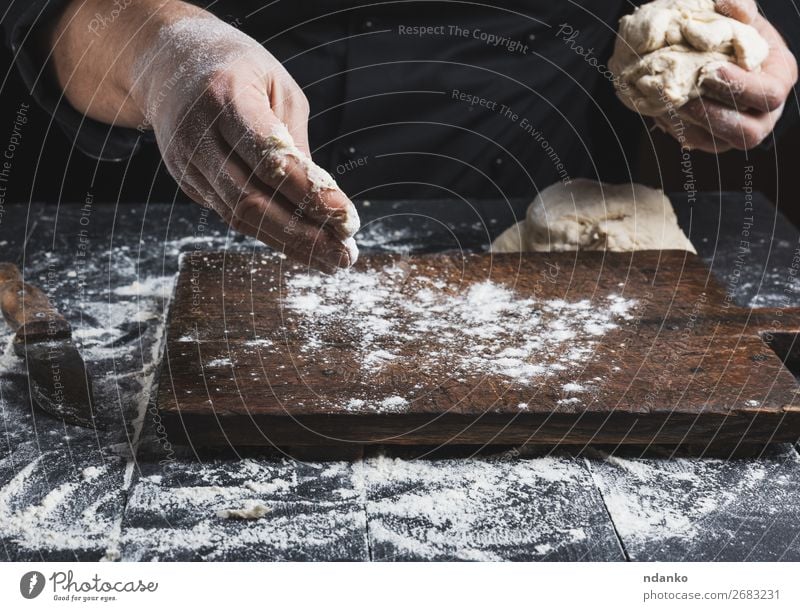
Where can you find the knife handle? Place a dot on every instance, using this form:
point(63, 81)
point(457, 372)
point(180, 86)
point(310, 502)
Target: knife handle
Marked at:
point(27, 310)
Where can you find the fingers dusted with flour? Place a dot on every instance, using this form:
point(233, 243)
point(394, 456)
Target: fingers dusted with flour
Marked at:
point(270, 151)
point(742, 107)
point(741, 10)
point(263, 213)
point(763, 90)
point(692, 136)
point(232, 124)
point(738, 129)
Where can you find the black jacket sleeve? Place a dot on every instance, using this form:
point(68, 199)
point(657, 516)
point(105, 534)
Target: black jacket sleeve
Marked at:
point(22, 21)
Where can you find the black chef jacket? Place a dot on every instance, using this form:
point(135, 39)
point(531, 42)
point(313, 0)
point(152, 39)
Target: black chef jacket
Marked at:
point(423, 98)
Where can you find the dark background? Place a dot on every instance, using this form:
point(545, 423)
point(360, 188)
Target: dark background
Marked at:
point(47, 168)
point(776, 167)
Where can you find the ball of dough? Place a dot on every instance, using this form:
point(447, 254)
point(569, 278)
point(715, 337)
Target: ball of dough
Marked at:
point(666, 49)
point(588, 215)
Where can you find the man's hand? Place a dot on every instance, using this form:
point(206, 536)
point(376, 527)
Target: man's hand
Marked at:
point(230, 122)
point(741, 108)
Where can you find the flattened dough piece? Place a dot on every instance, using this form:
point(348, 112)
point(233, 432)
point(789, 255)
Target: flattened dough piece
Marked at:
point(588, 215)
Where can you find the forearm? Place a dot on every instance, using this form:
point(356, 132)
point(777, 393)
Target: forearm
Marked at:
point(97, 50)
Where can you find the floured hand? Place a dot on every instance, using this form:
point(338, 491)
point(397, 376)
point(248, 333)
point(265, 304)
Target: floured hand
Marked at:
point(232, 129)
point(740, 108)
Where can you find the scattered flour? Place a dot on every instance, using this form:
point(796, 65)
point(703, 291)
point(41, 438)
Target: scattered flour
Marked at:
point(688, 504)
point(53, 503)
point(261, 343)
point(402, 240)
point(220, 362)
point(158, 286)
point(395, 318)
point(313, 510)
point(355, 404)
point(90, 473)
point(433, 509)
point(66, 516)
point(393, 404)
point(467, 509)
point(480, 508)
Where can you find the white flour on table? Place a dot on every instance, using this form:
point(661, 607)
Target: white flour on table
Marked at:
point(426, 509)
point(460, 508)
point(483, 329)
point(692, 504)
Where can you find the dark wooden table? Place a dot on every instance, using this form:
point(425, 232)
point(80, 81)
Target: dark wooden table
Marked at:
point(126, 493)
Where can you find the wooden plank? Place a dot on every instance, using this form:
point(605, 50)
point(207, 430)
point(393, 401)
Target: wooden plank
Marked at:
point(63, 488)
point(516, 505)
point(314, 511)
point(58, 504)
point(670, 505)
point(678, 364)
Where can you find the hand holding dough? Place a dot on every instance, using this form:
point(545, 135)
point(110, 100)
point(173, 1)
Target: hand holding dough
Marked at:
point(667, 49)
point(739, 108)
point(588, 215)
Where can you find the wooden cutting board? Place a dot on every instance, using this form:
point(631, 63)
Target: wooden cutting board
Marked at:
point(575, 348)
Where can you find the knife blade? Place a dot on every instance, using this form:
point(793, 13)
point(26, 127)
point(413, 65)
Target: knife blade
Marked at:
point(59, 382)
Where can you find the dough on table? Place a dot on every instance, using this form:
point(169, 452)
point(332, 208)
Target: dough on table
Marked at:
point(666, 49)
point(254, 511)
point(588, 215)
